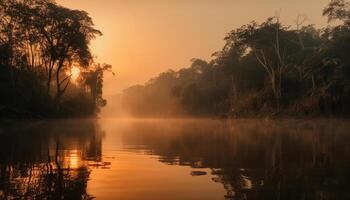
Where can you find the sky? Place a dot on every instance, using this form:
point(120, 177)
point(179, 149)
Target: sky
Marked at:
point(142, 38)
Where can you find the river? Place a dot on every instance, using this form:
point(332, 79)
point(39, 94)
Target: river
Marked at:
point(175, 159)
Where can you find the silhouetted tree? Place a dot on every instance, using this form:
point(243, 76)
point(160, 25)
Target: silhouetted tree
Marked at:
point(93, 79)
point(266, 68)
point(40, 41)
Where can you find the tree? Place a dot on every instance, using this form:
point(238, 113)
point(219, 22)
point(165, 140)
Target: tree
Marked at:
point(40, 41)
point(93, 79)
point(271, 44)
point(338, 10)
point(263, 68)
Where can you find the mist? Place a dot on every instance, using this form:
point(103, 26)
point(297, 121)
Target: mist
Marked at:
point(153, 99)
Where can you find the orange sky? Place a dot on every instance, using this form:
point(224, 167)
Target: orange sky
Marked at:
point(145, 37)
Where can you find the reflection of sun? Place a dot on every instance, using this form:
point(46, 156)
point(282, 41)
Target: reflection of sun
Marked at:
point(75, 72)
point(74, 158)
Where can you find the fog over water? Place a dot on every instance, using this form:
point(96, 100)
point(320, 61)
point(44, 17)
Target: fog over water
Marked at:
point(174, 99)
point(175, 159)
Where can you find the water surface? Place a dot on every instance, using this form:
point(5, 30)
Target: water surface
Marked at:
point(175, 159)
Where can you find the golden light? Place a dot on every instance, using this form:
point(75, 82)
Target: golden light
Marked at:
point(72, 159)
point(75, 72)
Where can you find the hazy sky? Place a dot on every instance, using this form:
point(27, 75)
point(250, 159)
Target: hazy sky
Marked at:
point(145, 37)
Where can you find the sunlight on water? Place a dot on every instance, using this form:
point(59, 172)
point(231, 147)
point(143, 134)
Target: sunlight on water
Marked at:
point(175, 159)
point(73, 158)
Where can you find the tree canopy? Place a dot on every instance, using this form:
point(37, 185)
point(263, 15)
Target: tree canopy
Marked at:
point(40, 42)
point(264, 68)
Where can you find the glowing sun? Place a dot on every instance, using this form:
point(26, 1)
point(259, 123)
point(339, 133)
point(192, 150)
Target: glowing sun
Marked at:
point(75, 72)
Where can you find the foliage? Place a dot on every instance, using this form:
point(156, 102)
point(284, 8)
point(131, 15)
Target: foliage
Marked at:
point(40, 41)
point(264, 68)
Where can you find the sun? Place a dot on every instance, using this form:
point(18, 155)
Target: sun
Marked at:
point(75, 72)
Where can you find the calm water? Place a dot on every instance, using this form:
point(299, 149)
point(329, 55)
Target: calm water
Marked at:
point(175, 159)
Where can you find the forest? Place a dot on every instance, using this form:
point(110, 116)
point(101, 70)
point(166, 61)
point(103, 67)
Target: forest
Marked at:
point(41, 43)
point(264, 69)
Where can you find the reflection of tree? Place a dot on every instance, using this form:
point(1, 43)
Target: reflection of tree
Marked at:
point(267, 160)
point(47, 161)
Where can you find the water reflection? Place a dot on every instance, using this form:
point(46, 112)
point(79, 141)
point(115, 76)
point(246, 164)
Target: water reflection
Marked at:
point(48, 160)
point(253, 159)
point(175, 159)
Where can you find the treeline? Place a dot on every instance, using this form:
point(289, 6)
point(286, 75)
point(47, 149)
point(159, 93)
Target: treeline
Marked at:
point(264, 69)
point(40, 42)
